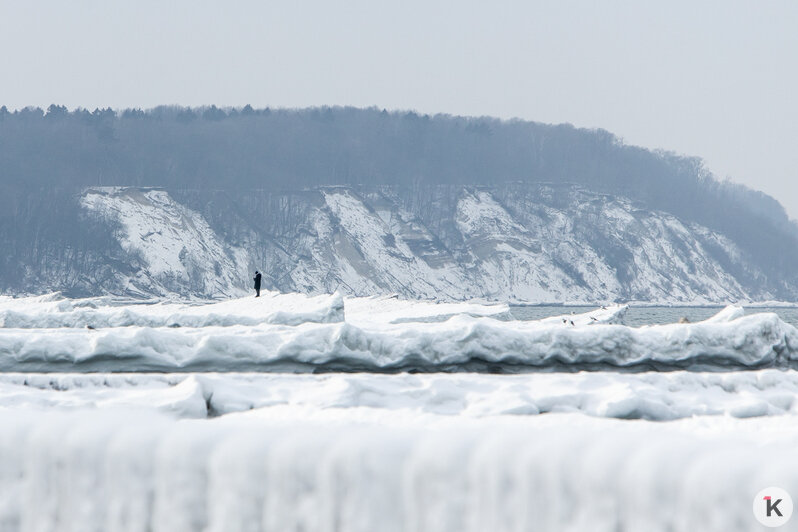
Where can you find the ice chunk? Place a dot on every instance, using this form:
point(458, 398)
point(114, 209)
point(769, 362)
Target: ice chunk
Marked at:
point(391, 309)
point(730, 313)
point(612, 314)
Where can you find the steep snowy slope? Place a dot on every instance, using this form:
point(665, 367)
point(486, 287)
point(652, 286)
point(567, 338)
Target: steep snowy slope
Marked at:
point(175, 248)
point(511, 258)
point(607, 246)
point(527, 243)
point(536, 244)
point(372, 244)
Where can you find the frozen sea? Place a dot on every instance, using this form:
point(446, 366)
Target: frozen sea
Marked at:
point(325, 413)
point(637, 316)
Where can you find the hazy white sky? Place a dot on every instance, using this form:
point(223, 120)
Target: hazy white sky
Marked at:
point(716, 79)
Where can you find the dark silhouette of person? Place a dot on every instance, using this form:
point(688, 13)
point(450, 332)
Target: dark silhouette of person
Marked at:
point(257, 283)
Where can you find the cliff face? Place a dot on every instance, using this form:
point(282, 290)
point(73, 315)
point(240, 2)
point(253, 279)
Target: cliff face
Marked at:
point(530, 243)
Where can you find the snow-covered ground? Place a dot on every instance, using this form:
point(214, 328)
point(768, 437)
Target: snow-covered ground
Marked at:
point(53, 311)
point(653, 396)
point(575, 450)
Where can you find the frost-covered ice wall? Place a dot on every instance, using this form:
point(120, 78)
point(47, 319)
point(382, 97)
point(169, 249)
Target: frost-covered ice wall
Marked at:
point(139, 471)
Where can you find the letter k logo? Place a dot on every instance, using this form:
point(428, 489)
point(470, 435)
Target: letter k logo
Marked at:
point(772, 506)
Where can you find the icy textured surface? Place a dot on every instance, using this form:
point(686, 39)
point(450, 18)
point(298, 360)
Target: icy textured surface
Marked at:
point(117, 470)
point(371, 338)
point(54, 311)
point(652, 396)
point(395, 310)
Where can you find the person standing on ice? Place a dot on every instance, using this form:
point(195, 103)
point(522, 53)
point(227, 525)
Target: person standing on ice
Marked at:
point(257, 283)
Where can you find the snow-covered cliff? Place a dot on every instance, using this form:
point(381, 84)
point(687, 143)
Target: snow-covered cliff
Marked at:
point(525, 243)
point(174, 248)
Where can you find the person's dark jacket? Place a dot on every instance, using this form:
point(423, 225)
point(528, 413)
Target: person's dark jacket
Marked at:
point(257, 281)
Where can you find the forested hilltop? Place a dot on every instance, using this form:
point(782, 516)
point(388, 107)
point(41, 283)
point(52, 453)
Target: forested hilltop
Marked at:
point(47, 156)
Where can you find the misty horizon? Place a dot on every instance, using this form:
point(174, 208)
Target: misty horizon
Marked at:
point(707, 79)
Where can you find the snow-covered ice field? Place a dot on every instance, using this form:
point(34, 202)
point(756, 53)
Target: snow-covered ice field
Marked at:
point(291, 412)
point(651, 396)
point(300, 333)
